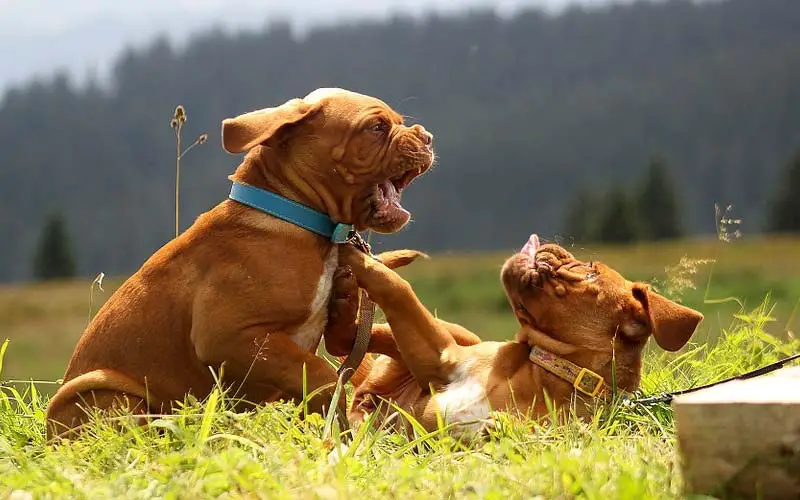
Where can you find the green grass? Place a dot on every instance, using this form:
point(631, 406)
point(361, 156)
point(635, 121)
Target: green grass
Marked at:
point(627, 451)
point(207, 451)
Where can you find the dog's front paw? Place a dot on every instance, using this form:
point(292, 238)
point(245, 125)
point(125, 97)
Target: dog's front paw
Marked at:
point(342, 312)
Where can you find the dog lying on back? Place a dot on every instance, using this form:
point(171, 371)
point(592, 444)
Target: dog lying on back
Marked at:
point(574, 317)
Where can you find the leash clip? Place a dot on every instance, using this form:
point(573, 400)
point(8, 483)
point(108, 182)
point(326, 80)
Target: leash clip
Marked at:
point(354, 238)
point(346, 234)
point(342, 233)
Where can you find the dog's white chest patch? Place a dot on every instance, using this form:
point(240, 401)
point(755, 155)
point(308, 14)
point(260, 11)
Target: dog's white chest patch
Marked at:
point(464, 402)
point(308, 335)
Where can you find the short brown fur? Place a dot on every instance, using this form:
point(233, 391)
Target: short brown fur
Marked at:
point(236, 290)
point(582, 312)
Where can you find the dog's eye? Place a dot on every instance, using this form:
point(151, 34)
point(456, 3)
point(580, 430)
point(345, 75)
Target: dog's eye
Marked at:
point(380, 127)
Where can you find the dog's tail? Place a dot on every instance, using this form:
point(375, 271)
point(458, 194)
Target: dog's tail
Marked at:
point(362, 371)
point(71, 393)
point(104, 379)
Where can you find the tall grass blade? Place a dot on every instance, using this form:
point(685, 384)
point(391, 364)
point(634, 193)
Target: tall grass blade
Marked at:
point(3, 348)
point(333, 408)
point(208, 415)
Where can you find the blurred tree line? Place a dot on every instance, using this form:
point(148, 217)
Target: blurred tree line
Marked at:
point(536, 118)
point(625, 214)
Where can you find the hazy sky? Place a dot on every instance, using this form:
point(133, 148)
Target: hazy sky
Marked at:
point(39, 36)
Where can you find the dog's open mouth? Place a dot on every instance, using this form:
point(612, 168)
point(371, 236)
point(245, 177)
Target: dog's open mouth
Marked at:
point(387, 208)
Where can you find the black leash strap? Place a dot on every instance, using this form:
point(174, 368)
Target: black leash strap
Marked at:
point(668, 397)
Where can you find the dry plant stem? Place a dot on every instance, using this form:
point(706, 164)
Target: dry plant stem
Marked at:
point(98, 281)
point(722, 221)
point(177, 174)
point(178, 119)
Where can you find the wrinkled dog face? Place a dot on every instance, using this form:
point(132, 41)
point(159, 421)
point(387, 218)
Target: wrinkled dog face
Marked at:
point(588, 304)
point(354, 145)
point(375, 152)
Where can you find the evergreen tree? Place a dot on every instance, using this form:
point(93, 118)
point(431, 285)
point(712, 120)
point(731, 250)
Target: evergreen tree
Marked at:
point(618, 221)
point(580, 221)
point(54, 258)
point(657, 204)
point(784, 215)
point(542, 107)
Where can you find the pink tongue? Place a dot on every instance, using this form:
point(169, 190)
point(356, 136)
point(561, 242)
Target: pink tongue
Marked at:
point(390, 193)
point(531, 246)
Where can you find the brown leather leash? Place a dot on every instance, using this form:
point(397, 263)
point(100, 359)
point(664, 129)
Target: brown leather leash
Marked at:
point(366, 314)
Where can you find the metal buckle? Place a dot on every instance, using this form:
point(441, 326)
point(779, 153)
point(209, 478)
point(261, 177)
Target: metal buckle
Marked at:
point(355, 239)
point(598, 386)
point(342, 233)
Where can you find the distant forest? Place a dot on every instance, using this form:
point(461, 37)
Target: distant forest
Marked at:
point(527, 111)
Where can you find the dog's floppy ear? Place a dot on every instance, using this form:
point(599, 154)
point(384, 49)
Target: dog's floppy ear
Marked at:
point(672, 324)
point(246, 131)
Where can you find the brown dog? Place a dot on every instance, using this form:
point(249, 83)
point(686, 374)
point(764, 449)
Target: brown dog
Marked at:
point(243, 292)
point(575, 317)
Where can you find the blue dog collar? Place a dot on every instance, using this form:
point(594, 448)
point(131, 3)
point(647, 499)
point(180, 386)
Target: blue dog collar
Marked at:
point(291, 211)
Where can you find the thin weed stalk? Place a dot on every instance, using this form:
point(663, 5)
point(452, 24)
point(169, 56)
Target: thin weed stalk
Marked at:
point(177, 122)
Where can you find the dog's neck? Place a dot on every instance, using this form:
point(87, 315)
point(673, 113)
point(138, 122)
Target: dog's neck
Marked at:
point(262, 168)
point(628, 358)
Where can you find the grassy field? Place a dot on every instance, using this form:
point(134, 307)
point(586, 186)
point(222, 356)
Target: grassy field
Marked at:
point(627, 452)
point(44, 321)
